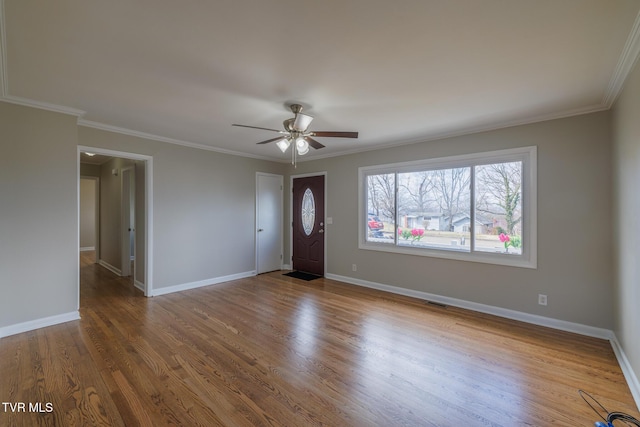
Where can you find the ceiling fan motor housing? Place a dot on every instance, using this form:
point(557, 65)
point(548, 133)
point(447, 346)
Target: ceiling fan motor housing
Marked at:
point(288, 125)
point(296, 108)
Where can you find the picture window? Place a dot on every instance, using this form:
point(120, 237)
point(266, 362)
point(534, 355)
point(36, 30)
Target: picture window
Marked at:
point(478, 207)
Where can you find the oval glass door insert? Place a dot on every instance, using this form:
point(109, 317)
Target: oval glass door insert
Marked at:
point(308, 211)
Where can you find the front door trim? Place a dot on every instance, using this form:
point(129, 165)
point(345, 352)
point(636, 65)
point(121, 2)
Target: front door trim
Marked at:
point(326, 229)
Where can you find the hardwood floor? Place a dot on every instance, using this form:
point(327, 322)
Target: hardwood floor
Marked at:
point(272, 350)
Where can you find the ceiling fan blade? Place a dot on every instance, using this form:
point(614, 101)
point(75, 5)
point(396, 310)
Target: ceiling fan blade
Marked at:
point(312, 142)
point(256, 127)
point(269, 140)
point(335, 134)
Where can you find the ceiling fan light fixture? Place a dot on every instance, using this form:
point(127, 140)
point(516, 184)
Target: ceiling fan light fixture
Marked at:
point(301, 122)
point(302, 146)
point(283, 144)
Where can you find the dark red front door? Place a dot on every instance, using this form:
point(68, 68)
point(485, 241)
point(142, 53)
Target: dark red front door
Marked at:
point(308, 224)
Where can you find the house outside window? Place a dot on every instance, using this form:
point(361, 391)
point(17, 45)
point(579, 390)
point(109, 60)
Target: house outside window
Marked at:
point(478, 207)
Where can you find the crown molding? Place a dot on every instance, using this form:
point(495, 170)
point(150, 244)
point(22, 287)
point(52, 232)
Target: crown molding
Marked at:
point(487, 127)
point(4, 79)
point(626, 62)
point(144, 135)
point(42, 105)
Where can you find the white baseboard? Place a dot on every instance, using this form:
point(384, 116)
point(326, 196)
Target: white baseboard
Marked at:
point(88, 248)
point(38, 323)
point(627, 370)
point(138, 284)
point(110, 267)
point(286, 266)
point(201, 283)
point(483, 308)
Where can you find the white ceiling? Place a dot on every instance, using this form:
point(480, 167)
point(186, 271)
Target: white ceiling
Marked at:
point(397, 72)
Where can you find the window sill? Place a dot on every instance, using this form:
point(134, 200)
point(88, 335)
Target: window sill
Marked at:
point(456, 254)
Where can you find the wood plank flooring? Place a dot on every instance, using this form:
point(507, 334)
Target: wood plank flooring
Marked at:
point(276, 351)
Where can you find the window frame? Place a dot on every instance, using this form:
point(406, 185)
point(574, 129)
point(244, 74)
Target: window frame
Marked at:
point(528, 157)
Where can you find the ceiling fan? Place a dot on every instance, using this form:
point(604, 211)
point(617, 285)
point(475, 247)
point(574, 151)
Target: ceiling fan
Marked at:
point(296, 130)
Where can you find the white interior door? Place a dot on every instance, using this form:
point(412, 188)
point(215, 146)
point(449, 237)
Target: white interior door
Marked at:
point(269, 227)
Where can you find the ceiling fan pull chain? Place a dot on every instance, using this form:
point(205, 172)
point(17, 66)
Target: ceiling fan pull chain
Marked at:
point(293, 155)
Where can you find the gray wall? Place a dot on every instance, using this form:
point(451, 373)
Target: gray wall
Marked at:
point(38, 214)
point(574, 224)
point(203, 207)
point(626, 131)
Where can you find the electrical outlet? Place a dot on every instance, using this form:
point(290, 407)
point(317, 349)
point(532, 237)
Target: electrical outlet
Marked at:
point(354, 267)
point(542, 299)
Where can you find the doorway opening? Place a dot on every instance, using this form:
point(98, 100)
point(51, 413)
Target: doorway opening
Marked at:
point(123, 214)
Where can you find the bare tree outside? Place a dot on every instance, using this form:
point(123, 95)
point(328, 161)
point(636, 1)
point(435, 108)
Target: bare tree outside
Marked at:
point(416, 188)
point(451, 188)
point(381, 194)
point(499, 192)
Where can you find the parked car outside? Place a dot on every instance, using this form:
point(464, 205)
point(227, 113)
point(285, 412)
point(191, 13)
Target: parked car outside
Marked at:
point(375, 225)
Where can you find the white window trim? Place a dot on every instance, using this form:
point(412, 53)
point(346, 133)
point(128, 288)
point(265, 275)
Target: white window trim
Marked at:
point(528, 156)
